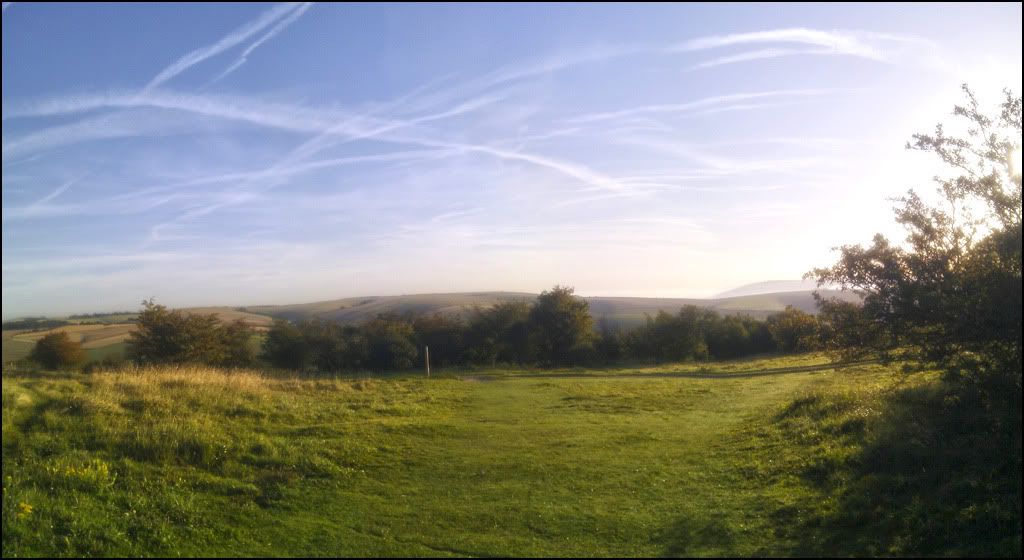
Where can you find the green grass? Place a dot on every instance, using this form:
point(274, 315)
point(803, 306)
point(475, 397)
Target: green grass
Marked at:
point(200, 462)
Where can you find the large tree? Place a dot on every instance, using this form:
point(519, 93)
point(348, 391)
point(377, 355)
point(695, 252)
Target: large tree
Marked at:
point(951, 294)
point(561, 328)
point(176, 337)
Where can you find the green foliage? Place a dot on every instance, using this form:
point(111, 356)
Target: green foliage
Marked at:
point(444, 335)
point(847, 332)
point(285, 347)
point(556, 330)
point(696, 333)
point(390, 343)
point(499, 334)
point(942, 474)
point(951, 295)
point(794, 330)
point(175, 337)
point(735, 336)
point(561, 329)
point(610, 344)
point(57, 351)
point(239, 350)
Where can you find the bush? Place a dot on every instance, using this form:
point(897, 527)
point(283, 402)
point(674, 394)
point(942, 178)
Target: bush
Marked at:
point(57, 351)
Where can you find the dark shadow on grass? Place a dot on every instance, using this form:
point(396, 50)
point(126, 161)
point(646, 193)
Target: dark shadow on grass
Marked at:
point(938, 475)
point(688, 536)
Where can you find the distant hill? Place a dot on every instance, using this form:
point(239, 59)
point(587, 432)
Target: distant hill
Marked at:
point(231, 314)
point(770, 287)
point(618, 310)
point(358, 309)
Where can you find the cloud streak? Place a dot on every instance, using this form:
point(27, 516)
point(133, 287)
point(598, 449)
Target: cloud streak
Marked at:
point(237, 36)
point(281, 25)
point(838, 42)
point(552, 160)
point(717, 101)
point(57, 192)
point(761, 54)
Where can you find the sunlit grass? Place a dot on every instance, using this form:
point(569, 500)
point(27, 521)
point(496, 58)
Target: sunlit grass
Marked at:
point(199, 461)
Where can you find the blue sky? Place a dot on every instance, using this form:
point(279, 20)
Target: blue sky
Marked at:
point(271, 153)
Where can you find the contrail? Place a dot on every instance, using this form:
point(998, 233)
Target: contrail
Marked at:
point(56, 192)
point(241, 34)
point(281, 25)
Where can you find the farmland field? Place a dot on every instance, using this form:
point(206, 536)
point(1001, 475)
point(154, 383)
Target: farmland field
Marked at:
point(202, 462)
point(107, 339)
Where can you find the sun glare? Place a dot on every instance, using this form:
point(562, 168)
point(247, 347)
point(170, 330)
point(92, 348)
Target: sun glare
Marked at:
point(1015, 162)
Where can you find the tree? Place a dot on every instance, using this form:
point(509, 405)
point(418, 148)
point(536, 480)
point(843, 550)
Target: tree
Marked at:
point(951, 294)
point(285, 346)
point(846, 332)
point(561, 328)
point(390, 342)
point(728, 337)
point(444, 335)
point(794, 330)
point(174, 337)
point(499, 334)
point(239, 350)
point(610, 342)
point(57, 350)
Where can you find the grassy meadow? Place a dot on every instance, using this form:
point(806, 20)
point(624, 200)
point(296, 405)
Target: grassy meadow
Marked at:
point(682, 461)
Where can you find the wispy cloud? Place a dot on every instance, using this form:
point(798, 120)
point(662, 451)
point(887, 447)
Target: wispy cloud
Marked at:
point(58, 191)
point(839, 42)
point(351, 128)
point(853, 43)
point(757, 55)
point(234, 38)
point(533, 166)
point(705, 103)
point(249, 109)
point(281, 25)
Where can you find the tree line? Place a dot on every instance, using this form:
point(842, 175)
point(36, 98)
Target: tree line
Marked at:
point(555, 330)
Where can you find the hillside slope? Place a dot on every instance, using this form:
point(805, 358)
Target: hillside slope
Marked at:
point(618, 310)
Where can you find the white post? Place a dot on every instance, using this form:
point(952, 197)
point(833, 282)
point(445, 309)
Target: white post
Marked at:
point(426, 352)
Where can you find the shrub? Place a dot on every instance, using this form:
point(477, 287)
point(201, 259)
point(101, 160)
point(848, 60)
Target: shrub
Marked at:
point(57, 350)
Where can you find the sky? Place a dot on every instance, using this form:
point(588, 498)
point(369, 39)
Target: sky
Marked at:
point(240, 154)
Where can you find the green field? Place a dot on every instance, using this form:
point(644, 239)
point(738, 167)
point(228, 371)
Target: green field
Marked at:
point(98, 340)
point(744, 458)
point(15, 349)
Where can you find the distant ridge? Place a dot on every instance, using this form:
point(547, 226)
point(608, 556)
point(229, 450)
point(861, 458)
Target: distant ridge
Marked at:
point(770, 287)
point(624, 311)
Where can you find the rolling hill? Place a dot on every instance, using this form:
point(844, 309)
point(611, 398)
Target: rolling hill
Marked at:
point(618, 310)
